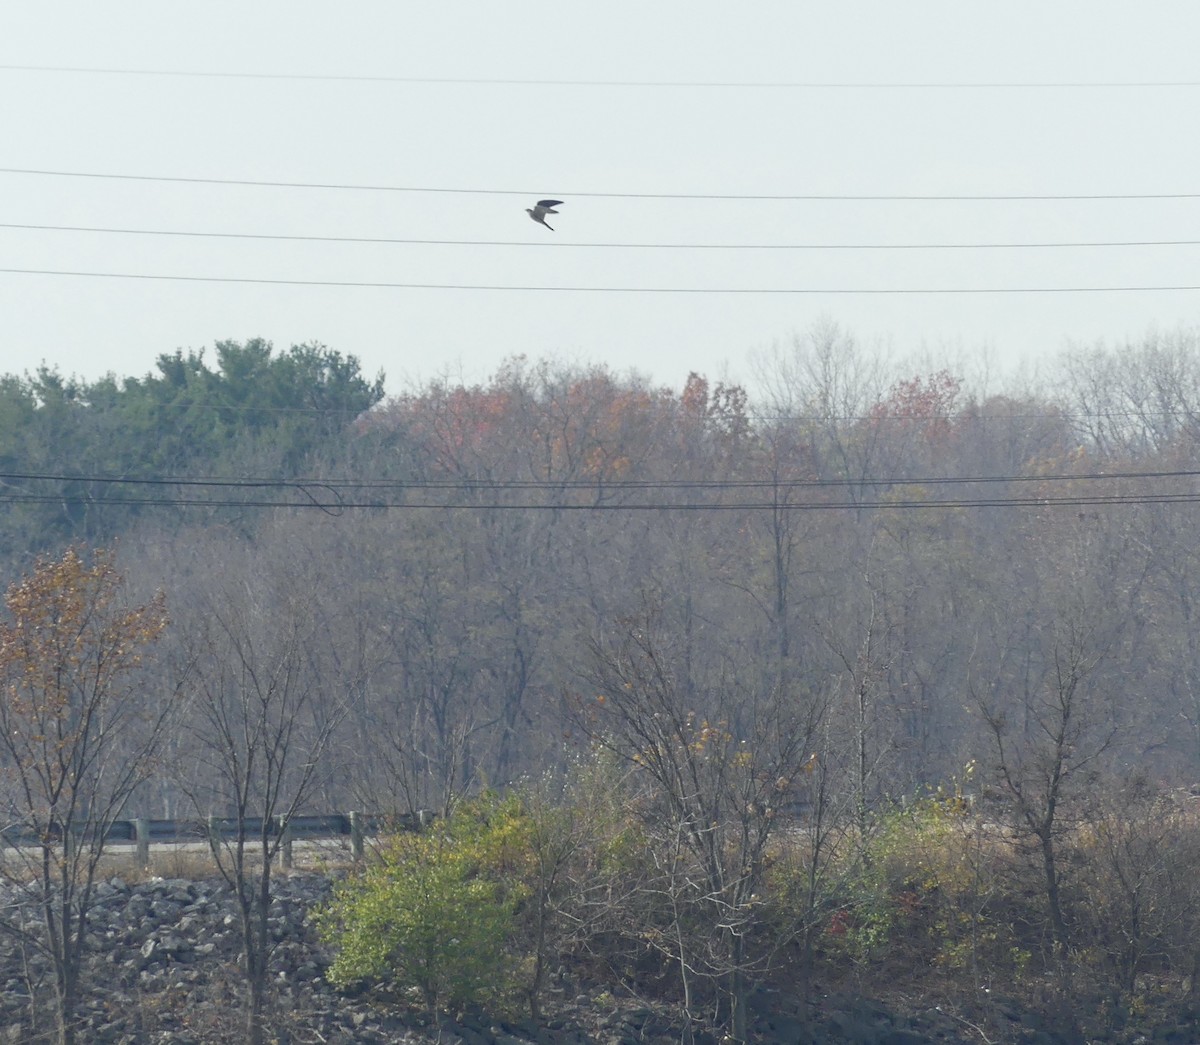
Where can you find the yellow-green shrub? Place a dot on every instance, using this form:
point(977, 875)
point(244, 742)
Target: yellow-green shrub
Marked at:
point(435, 911)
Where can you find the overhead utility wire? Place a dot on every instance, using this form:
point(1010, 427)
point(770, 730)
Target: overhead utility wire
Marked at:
point(775, 197)
point(504, 485)
point(339, 505)
point(529, 82)
point(568, 243)
point(383, 285)
point(314, 491)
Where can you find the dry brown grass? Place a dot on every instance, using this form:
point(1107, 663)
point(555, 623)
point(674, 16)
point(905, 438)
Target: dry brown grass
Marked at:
point(179, 860)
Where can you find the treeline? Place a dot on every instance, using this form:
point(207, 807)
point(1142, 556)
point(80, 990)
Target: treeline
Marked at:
point(255, 413)
point(804, 605)
point(928, 558)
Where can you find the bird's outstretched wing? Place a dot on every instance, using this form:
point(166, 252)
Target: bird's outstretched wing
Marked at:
point(549, 203)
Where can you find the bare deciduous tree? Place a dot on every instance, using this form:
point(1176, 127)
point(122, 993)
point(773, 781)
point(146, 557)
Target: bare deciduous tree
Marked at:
point(78, 733)
point(724, 758)
point(264, 717)
point(1044, 760)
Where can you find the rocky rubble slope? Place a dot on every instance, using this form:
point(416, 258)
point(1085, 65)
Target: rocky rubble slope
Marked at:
point(163, 968)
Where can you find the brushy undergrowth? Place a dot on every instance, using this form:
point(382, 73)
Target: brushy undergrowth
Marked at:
point(934, 897)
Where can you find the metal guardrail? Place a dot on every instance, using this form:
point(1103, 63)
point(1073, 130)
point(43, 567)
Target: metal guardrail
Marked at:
point(215, 829)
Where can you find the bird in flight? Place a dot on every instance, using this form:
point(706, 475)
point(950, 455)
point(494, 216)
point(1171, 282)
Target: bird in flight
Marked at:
point(543, 207)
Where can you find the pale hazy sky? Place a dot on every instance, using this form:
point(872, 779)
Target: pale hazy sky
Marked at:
point(867, 136)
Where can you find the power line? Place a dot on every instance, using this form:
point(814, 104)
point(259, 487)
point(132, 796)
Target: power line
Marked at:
point(775, 198)
point(529, 82)
point(463, 485)
point(384, 285)
point(338, 505)
point(336, 496)
point(543, 243)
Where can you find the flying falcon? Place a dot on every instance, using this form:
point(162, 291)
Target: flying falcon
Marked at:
point(543, 208)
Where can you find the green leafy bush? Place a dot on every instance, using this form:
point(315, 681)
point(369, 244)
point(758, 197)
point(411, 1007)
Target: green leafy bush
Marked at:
point(435, 911)
point(930, 883)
